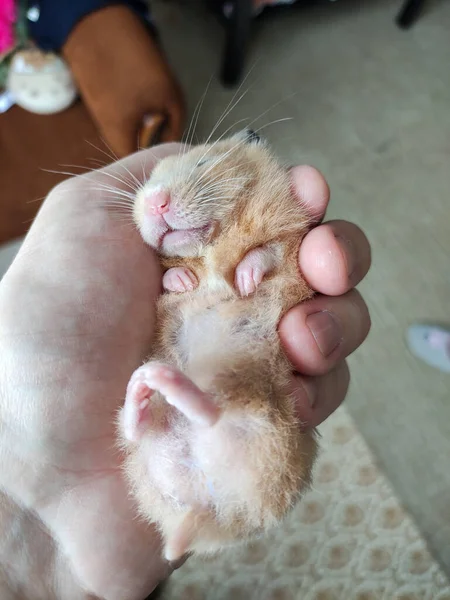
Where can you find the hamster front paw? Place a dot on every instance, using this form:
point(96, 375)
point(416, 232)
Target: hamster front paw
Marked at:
point(180, 280)
point(253, 267)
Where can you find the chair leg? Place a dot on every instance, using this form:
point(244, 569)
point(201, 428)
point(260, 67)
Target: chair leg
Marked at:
point(409, 13)
point(237, 37)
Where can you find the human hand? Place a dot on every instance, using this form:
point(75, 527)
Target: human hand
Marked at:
point(76, 318)
point(319, 334)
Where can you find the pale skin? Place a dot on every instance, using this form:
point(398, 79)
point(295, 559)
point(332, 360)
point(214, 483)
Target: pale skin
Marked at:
point(76, 319)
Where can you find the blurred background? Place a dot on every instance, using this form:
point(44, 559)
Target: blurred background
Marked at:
point(369, 105)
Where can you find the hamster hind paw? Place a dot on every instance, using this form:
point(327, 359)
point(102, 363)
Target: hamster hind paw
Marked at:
point(178, 390)
point(136, 410)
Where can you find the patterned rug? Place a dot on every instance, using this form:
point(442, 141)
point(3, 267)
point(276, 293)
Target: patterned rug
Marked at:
point(350, 539)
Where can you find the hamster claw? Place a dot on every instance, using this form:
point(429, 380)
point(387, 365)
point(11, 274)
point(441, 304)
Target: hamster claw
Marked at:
point(248, 280)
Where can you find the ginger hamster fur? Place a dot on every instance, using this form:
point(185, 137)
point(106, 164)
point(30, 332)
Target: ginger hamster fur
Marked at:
point(214, 451)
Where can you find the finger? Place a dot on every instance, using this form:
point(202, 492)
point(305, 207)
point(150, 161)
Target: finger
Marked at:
point(318, 397)
point(311, 189)
point(334, 257)
point(316, 335)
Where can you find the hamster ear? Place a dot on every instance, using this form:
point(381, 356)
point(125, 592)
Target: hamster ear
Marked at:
point(253, 137)
point(249, 136)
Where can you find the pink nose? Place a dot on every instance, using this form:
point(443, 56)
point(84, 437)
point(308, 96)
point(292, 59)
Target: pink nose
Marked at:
point(158, 202)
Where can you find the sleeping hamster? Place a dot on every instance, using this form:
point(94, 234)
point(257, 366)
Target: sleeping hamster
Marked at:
point(214, 451)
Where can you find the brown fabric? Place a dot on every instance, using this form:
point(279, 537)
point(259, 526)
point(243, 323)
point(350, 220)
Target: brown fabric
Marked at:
point(127, 88)
point(123, 77)
point(30, 143)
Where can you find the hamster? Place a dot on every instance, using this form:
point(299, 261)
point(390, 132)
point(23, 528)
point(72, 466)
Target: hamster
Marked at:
point(214, 451)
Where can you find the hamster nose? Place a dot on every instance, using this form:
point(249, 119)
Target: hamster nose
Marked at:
point(158, 202)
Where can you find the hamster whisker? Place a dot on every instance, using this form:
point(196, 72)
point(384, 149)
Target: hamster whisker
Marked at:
point(272, 107)
point(119, 179)
point(33, 200)
point(145, 174)
point(216, 201)
point(223, 184)
point(114, 190)
point(111, 155)
point(187, 139)
point(113, 200)
point(216, 197)
point(101, 163)
point(199, 108)
point(228, 110)
point(110, 196)
point(207, 187)
point(232, 104)
point(187, 135)
point(125, 210)
point(113, 158)
point(220, 176)
point(134, 179)
point(216, 162)
point(126, 182)
point(209, 148)
point(111, 187)
point(85, 170)
point(274, 122)
point(222, 158)
point(89, 170)
point(207, 198)
point(228, 190)
point(126, 224)
point(68, 173)
point(120, 216)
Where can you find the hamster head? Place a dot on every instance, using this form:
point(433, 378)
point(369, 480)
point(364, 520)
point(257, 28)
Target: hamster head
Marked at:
point(189, 196)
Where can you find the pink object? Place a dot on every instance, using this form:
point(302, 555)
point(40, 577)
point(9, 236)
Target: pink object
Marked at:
point(158, 202)
point(7, 20)
point(177, 389)
point(252, 269)
point(179, 279)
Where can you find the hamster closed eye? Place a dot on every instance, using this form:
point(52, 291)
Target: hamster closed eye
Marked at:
point(213, 449)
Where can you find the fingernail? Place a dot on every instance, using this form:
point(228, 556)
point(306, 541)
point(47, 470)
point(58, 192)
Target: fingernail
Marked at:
point(326, 330)
point(349, 254)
